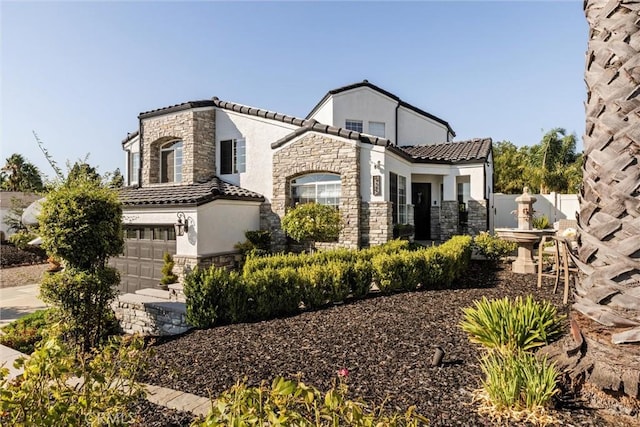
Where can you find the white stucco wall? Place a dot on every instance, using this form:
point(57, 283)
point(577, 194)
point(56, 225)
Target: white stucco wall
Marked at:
point(324, 113)
point(367, 105)
point(370, 155)
point(224, 223)
point(400, 167)
point(259, 133)
point(415, 129)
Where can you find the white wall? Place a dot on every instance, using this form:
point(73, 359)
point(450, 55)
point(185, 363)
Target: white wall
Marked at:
point(415, 129)
point(226, 221)
point(370, 155)
point(259, 133)
point(324, 113)
point(368, 105)
point(554, 206)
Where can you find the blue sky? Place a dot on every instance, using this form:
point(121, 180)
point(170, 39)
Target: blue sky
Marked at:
point(79, 73)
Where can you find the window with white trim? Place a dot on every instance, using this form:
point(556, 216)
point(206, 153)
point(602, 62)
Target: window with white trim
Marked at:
point(233, 157)
point(134, 168)
point(377, 129)
point(355, 125)
point(171, 162)
point(398, 196)
point(321, 188)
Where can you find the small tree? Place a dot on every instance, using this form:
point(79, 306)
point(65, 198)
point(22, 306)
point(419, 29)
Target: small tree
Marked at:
point(312, 222)
point(167, 270)
point(81, 224)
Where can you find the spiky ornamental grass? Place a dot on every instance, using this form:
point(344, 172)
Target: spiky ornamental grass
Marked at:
point(517, 386)
point(515, 324)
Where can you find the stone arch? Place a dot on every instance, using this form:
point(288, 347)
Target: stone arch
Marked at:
point(153, 163)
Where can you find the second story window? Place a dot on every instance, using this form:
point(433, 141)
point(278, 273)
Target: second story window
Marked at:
point(355, 125)
point(233, 157)
point(377, 129)
point(171, 162)
point(134, 168)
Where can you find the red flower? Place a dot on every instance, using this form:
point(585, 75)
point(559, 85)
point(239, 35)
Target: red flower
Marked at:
point(344, 373)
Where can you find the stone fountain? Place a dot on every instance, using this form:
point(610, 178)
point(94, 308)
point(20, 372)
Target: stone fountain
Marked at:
point(525, 236)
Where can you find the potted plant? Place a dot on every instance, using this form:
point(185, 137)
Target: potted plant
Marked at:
point(168, 276)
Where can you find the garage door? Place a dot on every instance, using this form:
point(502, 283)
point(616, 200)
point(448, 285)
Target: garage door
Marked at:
point(141, 264)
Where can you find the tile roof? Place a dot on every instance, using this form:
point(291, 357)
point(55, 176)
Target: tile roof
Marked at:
point(305, 125)
point(315, 126)
point(130, 136)
point(365, 83)
point(190, 194)
point(470, 151)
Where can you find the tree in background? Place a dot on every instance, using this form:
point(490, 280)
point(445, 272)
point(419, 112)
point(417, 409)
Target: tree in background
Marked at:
point(312, 222)
point(550, 158)
point(510, 168)
point(20, 175)
point(551, 165)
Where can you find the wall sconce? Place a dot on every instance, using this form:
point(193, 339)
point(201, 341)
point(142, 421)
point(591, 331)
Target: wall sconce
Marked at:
point(377, 165)
point(182, 225)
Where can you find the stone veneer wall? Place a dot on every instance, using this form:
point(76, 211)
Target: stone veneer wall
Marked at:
point(376, 223)
point(184, 263)
point(435, 223)
point(317, 153)
point(137, 314)
point(269, 220)
point(196, 129)
point(477, 216)
point(448, 219)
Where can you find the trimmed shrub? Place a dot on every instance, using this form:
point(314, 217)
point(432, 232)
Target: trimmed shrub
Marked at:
point(398, 271)
point(316, 285)
point(433, 273)
point(492, 247)
point(168, 276)
point(312, 222)
point(214, 295)
point(273, 292)
point(13, 256)
point(360, 276)
point(518, 324)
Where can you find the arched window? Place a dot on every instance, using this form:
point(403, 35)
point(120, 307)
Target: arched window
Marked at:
point(171, 162)
point(321, 188)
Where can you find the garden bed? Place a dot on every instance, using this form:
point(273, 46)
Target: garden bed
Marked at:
point(385, 342)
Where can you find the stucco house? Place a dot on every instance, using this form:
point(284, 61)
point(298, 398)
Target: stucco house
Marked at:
point(222, 168)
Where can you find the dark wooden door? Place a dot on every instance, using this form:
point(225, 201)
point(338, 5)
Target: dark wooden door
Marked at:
point(421, 198)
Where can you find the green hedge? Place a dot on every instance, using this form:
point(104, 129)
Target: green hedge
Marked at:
point(276, 285)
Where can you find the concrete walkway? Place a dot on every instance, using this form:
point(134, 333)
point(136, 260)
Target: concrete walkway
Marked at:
point(18, 301)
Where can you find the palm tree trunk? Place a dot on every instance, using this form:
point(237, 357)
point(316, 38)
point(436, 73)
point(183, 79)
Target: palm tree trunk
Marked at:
point(609, 218)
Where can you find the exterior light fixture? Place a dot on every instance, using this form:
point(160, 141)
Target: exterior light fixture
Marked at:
point(182, 226)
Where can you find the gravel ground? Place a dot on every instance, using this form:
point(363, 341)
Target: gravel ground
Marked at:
point(22, 275)
point(385, 342)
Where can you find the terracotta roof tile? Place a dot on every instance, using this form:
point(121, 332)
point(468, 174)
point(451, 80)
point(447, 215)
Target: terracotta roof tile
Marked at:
point(191, 194)
point(450, 152)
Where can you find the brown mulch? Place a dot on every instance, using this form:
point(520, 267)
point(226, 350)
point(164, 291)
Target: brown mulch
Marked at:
point(386, 343)
point(21, 275)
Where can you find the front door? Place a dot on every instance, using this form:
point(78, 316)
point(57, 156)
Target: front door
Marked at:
point(421, 198)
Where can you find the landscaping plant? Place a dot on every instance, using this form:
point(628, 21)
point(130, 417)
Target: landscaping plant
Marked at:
point(517, 386)
point(81, 224)
point(492, 247)
point(312, 222)
point(168, 277)
point(23, 334)
point(514, 324)
point(62, 388)
point(293, 403)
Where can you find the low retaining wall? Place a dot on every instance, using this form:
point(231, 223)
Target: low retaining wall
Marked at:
point(150, 316)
